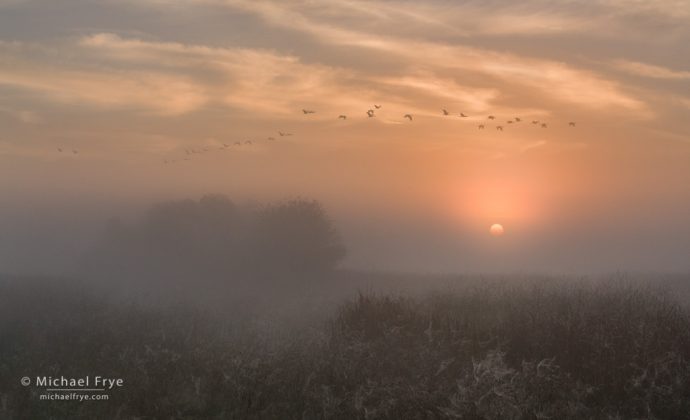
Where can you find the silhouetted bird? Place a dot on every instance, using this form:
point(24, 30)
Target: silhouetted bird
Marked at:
point(543, 125)
point(491, 117)
point(509, 121)
point(59, 150)
point(377, 106)
point(370, 113)
point(571, 123)
point(308, 111)
point(247, 142)
point(517, 119)
point(270, 139)
point(445, 112)
point(342, 117)
point(481, 126)
point(408, 116)
point(499, 128)
point(237, 143)
point(463, 115)
point(75, 151)
point(284, 134)
point(535, 122)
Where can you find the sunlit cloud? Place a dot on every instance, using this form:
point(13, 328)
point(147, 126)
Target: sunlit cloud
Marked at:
point(650, 70)
point(533, 145)
point(35, 69)
point(557, 80)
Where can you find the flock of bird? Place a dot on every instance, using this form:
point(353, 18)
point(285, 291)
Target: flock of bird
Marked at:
point(371, 113)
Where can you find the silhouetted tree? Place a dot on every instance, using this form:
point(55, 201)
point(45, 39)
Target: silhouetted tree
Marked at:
point(211, 239)
point(296, 236)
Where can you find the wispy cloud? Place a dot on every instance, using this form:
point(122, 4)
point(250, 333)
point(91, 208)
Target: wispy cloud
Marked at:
point(650, 70)
point(35, 68)
point(167, 78)
point(552, 79)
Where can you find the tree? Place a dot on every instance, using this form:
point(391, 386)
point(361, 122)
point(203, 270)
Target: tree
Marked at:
point(297, 236)
point(212, 240)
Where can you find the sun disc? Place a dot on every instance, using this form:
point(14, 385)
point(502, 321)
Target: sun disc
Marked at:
point(496, 229)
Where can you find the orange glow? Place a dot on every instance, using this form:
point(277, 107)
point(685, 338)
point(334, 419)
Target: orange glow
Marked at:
point(482, 202)
point(496, 229)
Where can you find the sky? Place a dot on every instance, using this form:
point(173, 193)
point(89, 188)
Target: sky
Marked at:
point(130, 85)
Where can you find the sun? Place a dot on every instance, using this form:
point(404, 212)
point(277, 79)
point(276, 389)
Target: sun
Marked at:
point(496, 229)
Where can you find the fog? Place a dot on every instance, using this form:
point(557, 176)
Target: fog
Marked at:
point(315, 209)
point(50, 235)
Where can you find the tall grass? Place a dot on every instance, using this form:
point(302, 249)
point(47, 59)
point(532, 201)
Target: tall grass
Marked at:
point(494, 352)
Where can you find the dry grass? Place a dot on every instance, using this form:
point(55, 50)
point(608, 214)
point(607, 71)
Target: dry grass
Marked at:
point(523, 352)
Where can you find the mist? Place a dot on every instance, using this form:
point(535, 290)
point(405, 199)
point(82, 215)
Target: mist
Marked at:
point(312, 209)
point(46, 235)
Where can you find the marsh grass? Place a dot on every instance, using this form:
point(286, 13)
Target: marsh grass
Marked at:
point(528, 351)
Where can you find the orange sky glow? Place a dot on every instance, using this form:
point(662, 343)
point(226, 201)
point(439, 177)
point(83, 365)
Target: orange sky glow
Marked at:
point(133, 85)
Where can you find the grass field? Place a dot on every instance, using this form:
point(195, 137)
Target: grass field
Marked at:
point(494, 350)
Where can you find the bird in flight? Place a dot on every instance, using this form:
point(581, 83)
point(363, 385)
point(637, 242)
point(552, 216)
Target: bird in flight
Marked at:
point(509, 121)
point(481, 126)
point(445, 112)
point(491, 117)
point(535, 122)
point(377, 106)
point(499, 128)
point(270, 138)
point(408, 116)
point(462, 114)
point(247, 142)
point(517, 119)
point(59, 149)
point(342, 117)
point(308, 111)
point(75, 151)
point(237, 143)
point(571, 123)
point(284, 134)
point(543, 125)
point(370, 113)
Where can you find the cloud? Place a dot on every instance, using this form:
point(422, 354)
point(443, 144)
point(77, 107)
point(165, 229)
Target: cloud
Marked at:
point(249, 79)
point(167, 78)
point(672, 9)
point(650, 70)
point(79, 81)
point(24, 115)
point(555, 80)
point(421, 19)
point(174, 78)
point(532, 145)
